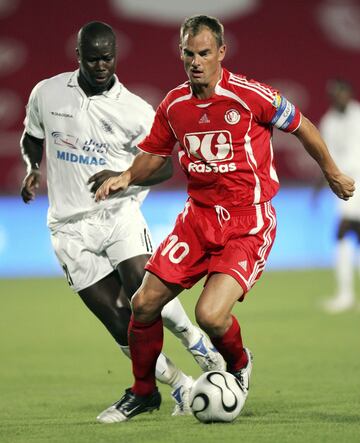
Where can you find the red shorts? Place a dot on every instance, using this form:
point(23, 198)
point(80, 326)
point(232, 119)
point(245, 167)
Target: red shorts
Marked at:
point(206, 240)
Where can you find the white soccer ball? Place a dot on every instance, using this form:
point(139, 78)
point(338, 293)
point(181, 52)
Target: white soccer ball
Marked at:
point(216, 396)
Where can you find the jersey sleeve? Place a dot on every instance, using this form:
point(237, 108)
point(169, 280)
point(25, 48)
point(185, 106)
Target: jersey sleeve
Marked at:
point(286, 116)
point(270, 107)
point(161, 140)
point(33, 121)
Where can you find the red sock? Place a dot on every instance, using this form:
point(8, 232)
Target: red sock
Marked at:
point(230, 346)
point(145, 341)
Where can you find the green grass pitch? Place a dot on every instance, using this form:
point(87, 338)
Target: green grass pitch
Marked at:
point(59, 368)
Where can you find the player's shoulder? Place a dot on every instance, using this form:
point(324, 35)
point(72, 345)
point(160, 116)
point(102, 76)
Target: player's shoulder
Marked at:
point(134, 101)
point(248, 90)
point(354, 106)
point(53, 82)
point(179, 93)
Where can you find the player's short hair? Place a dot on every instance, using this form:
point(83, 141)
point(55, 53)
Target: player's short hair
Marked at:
point(193, 25)
point(339, 83)
point(95, 30)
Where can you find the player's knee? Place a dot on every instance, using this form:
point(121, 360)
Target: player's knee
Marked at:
point(211, 322)
point(145, 306)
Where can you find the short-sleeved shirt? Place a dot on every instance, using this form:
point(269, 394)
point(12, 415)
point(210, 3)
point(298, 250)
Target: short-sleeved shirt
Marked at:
point(85, 135)
point(225, 142)
point(341, 132)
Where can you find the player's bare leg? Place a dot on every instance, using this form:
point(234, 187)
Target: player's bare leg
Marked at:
point(195, 341)
point(175, 319)
point(213, 313)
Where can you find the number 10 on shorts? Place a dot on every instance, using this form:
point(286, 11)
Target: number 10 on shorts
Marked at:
point(176, 250)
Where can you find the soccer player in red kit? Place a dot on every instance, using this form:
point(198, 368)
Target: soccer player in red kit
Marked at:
point(223, 124)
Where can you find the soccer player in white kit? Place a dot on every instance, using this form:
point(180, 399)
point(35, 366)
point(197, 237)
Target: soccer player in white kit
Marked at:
point(91, 125)
point(340, 128)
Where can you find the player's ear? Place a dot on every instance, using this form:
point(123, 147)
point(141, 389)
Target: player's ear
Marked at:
point(181, 52)
point(222, 52)
point(77, 54)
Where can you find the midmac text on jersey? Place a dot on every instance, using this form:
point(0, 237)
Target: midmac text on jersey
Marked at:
point(81, 159)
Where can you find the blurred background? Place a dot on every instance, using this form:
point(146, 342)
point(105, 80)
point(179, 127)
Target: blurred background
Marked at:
point(295, 46)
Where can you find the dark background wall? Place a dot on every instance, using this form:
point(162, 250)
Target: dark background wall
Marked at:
point(293, 45)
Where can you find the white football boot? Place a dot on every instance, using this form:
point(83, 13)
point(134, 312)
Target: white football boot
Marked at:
point(206, 355)
point(181, 396)
point(339, 304)
point(243, 375)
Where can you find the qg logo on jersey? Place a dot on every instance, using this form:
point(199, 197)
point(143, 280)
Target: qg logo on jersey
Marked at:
point(207, 149)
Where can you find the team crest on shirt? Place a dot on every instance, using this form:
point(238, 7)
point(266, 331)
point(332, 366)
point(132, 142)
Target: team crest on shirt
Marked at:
point(232, 116)
point(106, 126)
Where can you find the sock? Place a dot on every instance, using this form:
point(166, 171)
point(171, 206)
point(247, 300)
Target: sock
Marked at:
point(145, 341)
point(230, 346)
point(344, 269)
point(177, 321)
point(165, 371)
point(168, 373)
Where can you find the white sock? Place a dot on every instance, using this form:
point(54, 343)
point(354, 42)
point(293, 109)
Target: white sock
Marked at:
point(344, 269)
point(166, 372)
point(177, 321)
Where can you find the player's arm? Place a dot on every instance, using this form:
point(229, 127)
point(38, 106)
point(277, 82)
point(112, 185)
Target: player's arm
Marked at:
point(160, 175)
point(309, 136)
point(32, 151)
point(143, 167)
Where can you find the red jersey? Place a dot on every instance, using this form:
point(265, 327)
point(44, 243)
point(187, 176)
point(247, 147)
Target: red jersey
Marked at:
point(225, 142)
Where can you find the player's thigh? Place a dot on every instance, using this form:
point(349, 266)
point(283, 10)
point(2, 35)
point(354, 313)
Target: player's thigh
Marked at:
point(153, 294)
point(131, 273)
point(180, 258)
point(108, 292)
point(81, 267)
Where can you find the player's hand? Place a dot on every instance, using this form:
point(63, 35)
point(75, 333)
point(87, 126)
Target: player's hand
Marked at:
point(99, 178)
point(342, 185)
point(29, 185)
point(112, 185)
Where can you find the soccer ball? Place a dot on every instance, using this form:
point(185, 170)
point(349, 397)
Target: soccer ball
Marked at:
point(216, 396)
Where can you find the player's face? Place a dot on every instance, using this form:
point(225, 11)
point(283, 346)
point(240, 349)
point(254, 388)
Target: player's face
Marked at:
point(340, 98)
point(97, 60)
point(202, 58)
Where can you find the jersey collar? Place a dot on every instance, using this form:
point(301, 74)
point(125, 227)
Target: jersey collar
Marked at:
point(216, 89)
point(113, 93)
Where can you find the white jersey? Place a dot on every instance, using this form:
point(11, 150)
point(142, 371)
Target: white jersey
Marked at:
point(341, 132)
point(85, 135)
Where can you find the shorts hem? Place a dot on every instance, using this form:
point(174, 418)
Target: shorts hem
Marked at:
point(159, 274)
point(243, 285)
point(92, 283)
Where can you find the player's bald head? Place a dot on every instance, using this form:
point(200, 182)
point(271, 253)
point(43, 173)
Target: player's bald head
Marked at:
point(95, 31)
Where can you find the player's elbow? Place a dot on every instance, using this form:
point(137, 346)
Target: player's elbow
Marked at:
point(167, 169)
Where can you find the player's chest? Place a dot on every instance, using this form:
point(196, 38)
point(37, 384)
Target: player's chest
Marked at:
point(211, 131)
point(88, 124)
